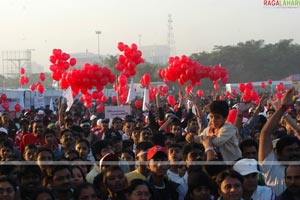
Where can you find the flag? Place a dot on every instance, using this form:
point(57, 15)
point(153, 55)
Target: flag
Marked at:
point(69, 97)
point(51, 105)
point(131, 93)
point(145, 99)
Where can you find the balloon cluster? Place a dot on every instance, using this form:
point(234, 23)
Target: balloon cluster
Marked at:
point(85, 79)
point(4, 102)
point(23, 79)
point(280, 89)
point(185, 69)
point(145, 80)
point(81, 80)
point(127, 62)
point(130, 58)
point(61, 62)
point(153, 91)
point(248, 93)
point(122, 88)
point(38, 85)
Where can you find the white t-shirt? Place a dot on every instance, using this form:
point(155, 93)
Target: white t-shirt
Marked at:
point(273, 173)
point(263, 193)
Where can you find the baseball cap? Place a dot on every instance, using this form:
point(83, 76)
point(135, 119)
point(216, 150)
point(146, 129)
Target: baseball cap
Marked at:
point(93, 117)
point(106, 158)
point(246, 166)
point(41, 112)
point(154, 150)
point(100, 121)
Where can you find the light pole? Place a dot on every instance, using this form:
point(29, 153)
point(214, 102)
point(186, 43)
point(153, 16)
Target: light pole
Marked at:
point(98, 34)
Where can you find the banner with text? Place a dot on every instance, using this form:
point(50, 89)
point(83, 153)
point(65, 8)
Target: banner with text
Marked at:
point(116, 111)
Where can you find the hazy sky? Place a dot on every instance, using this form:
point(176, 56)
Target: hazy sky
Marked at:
point(198, 24)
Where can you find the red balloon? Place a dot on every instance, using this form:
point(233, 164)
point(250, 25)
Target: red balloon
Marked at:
point(42, 76)
point(270, 82)
point(122, 79)
point(22, 70)
point(200, 93)
point(52, 59)
point(26, 80)
point(3, 97)
point(32, 87)
point(138, 103)
point(73, 61)
point(216, 86)
point(40, 88)
point(5, 105)
point(233, 92)
point(249, 86)
point(100, 108)
point(103, 98)
point(121, 46)
point(17, 107)
point(231, 116)
point(171, 100)
point(188, 89)
point(113, 99)
point(241, 87)
point(262, 85)
point(146, 78)
point(22, 80)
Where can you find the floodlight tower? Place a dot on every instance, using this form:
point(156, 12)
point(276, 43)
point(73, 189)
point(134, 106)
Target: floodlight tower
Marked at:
point(171, 40)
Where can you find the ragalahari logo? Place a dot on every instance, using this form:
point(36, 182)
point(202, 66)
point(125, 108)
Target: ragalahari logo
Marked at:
point(282, 3)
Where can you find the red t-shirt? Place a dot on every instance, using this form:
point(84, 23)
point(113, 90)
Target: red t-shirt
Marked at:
point(31, 139)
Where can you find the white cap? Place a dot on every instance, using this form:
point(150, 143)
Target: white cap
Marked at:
point(99, 121)
point(41, 112)
point(3, 130)
point(93, 117)
point(246, 166)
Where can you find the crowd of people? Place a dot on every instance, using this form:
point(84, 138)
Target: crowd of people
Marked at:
point(202, 149)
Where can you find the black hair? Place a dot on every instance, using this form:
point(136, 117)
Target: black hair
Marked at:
point(196, 179)
point(131, 153)
point(143, 146)
point(41, 191)
point(42, 149)
point(219, 107)
point(51, 170)
point(48, 130)
point(82, 140)
point(174, 145)
point(248, 143)
point(110, 169)
point(98, 146)
point(189, 147)
point(13, 184)
point(228, 173)
point(82, 186)
point(135, 183)
point(29, 169)
point(116, 119)
point(64, 131)
point(7, 144)
point(286, 141)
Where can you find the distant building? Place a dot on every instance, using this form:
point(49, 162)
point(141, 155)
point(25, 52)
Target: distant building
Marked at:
point(156, 54)
point(86, 57)
point(293, 77)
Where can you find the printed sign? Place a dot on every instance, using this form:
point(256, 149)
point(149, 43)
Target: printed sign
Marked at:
point(116, 111)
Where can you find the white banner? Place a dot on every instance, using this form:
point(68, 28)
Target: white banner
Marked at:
point(116, 111)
